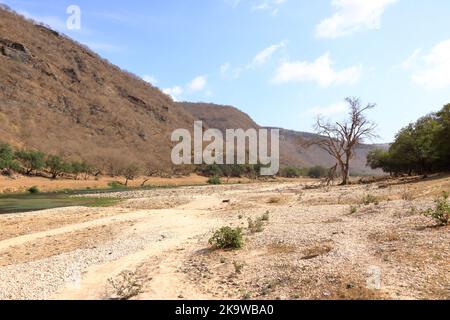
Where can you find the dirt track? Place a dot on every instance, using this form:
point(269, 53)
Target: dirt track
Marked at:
point(312, 247)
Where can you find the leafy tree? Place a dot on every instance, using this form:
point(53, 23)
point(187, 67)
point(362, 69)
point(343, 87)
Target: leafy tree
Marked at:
point(31, 160)
point(130, 172)
point(422, 147)
point(81, 167)
point(7, 162)
point(379, 159)
point(56, 166)
point(317, 172)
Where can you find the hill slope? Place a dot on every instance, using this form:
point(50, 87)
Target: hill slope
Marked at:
point(59, 97)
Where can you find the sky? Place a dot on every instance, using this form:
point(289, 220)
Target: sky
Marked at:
point(283, 62)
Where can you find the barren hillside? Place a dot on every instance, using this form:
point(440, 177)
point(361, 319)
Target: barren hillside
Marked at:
point(59, 97)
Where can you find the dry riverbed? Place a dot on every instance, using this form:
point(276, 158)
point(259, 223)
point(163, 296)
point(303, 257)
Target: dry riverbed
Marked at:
point(318, 243)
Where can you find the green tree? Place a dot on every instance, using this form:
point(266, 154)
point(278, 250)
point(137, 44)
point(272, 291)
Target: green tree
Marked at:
point(56, 166)
point(442, 139)
point(379, 159)
point(130, 172)
point(7, 162)
point(31, 160)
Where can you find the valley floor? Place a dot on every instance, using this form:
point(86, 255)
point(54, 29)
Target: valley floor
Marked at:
point(319, 243)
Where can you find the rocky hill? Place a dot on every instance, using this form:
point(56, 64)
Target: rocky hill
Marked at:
point(59, 97)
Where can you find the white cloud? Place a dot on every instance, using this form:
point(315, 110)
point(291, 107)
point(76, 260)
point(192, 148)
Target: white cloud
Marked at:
point(264, 56)
point(352, 16)
point(197, 84)
point(269, 5)
point(412, 60)
point(150, 79)
point(432, 70)
point(53, 22)
point(319, 71)
point(333, 109)
point(174, 92)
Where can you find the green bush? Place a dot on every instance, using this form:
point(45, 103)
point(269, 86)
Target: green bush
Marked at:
point(441, 213)
point(317, 172)
point(227, 238)
point(115, 185)
point(214, 180)
point(291, 172)
point(33, 190)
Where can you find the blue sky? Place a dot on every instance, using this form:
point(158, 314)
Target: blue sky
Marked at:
point(281, 61)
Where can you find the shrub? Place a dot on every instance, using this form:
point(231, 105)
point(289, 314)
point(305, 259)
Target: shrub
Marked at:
point(441, 212)
point(115, 185)
point(353, 210)
point(369, 199)
point(238, 266)
point(214, 180)
point(126, 286)
point(227, 238)
point(265, 216)
point(317, 172)
point(212, 170)
point(292, 172)
point(33, 190)
point(256, 225)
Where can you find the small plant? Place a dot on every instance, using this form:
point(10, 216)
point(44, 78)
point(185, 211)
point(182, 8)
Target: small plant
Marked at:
point(238, 266)
point(227, 238)
point(256, 225)
point(441, 212)
point(369, 199)
point(214, 180)
point(353, 210)
point(266, 216)
point(240, 217)
point(115, 185)
point(126, 285)
point(274, 200)
point(246, 296)
point(33, 190)
point(407, 196)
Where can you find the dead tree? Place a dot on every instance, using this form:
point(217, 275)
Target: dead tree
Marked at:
point(340, 139)
point(331, 176)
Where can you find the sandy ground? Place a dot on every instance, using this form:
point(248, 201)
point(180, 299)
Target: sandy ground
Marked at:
point(314, 245)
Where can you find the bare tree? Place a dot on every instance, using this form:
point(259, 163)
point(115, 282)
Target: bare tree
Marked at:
point(340, 139)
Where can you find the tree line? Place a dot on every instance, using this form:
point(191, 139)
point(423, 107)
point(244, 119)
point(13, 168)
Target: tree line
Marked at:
point(30, 162)
point(423, 147)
